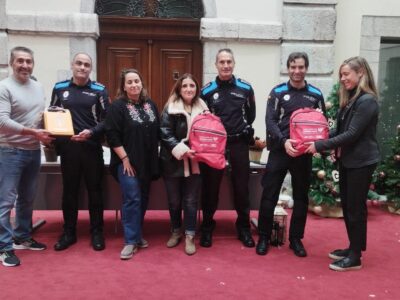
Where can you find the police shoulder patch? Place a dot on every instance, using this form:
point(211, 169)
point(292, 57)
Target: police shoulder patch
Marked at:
point(209, 87)
point(243, 84)
point(97, 86)
point(62, 84)
point(314, 90)
point(283, 87)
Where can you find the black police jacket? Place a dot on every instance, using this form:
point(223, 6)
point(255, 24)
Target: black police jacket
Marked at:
point(283, 100)
point(233, 101)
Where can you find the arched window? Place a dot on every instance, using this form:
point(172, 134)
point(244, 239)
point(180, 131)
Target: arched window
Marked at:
point(192, 9)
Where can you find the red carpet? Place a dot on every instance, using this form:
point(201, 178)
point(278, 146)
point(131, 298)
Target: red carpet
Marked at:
point(225, 271)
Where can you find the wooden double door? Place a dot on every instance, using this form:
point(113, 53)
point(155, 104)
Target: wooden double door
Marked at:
point(162, 50)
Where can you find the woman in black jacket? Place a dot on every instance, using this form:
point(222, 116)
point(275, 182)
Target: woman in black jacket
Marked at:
point(357, 151)
point(132, 129)
point(180, 171)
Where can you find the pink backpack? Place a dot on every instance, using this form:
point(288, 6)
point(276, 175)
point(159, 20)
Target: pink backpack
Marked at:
point(207, 138)
point(307, 125)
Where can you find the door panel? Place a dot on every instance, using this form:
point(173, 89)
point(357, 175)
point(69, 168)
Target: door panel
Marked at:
point(120, 55)
point(162, 50)
point(172, 60)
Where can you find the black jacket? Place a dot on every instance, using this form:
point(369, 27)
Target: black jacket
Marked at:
point(136, 128)
point(175, 126)
point(233, 101)
point(283, 100)
point(355, 134)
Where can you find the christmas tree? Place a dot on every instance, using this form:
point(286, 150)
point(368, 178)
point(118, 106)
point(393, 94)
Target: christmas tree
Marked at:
point(387, 180)
point(324, 189)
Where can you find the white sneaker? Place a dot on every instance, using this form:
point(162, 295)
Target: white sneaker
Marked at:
point(128, 251)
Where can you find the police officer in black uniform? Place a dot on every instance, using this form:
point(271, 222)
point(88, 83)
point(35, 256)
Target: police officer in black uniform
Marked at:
point(231, 99)
point(82, 154)
point(283, 100)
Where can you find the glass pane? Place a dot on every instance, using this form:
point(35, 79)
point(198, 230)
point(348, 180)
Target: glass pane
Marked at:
point(389, 93)
point(151, 8)
point(132, 8)
point(179, 9)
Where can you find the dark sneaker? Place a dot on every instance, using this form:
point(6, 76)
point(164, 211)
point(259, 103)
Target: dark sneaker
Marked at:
point(339, 253)
point(9, 258)
point(30, 244)
point(346, 264)
point(143, 244)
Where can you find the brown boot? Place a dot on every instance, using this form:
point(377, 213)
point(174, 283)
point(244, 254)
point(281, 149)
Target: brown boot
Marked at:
point(190, 247)
point(174, 239)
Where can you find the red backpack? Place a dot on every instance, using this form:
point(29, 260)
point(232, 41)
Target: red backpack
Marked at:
point(307, 125)
point(207, 138)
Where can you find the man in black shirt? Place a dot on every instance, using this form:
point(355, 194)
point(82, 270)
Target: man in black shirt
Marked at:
point(283, 100)
point(231, 99)
point(82, 154)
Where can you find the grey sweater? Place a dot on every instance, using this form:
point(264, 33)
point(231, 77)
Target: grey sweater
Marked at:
point(21, 105)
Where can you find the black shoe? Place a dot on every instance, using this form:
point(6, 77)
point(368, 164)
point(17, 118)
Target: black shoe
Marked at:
point(339, 253)
point(98, 243)
point(346, 264)
point(246, 238)
point(262, 245)
point(206, 239)
point(297, 246)
point(64, 242)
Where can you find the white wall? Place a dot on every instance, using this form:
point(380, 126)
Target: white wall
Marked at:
point(44, 5)
point(258, 64)
point(265, 10)
point(348, 26)
point(47, 63)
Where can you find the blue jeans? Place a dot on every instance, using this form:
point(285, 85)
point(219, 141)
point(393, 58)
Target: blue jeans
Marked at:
point(131, 207)
point(183, 191)
point(19, 171)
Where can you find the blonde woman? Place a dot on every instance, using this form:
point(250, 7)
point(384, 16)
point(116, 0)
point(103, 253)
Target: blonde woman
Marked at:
point(357, 151)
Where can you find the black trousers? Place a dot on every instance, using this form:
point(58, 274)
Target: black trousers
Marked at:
point(354, 185)
point(275, 171)
point(238, 157)
point(82, 160)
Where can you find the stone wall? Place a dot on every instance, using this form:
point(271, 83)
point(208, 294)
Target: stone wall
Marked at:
point(310, 26)
point(3, 41)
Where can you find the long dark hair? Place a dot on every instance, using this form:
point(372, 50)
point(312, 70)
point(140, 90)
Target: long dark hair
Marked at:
point(176, 89)
point(121, 93)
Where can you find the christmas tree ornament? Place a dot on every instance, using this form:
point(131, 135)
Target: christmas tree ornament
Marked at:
point(328, 104)
point(382, 174)
point(331, 123)
point(335, 175)
point(317, 209)
point(398, 128)
point(396, 157)
point(321, 174)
